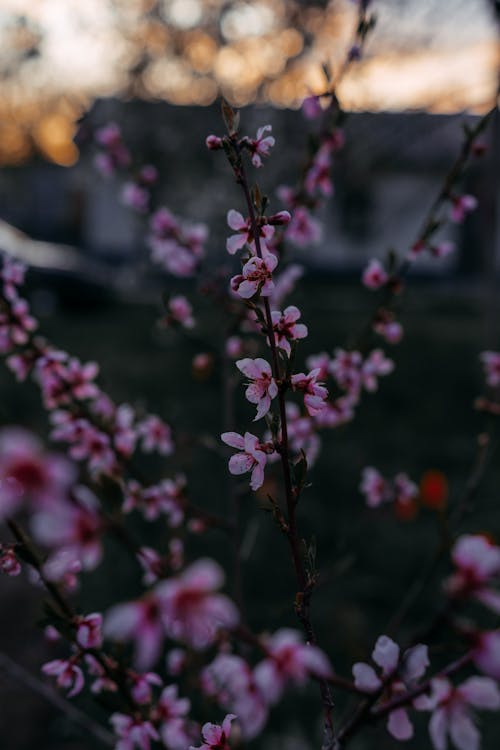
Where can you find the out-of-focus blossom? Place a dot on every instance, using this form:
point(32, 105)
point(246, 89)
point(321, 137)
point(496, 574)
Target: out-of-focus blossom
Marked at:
point(375, 276)
point(461, 205)
point(133, 732)
point(314, 392)
point(491, 364)
point(69, 675)
point(477, 563)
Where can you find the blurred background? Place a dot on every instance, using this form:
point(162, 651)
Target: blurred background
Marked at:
point(158, 68)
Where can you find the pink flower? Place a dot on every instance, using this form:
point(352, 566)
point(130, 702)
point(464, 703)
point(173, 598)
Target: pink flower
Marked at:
point(478, 563)
point(136, 197)
point(216, 737)
point(251, 458)
point(69, 676)
point(375, 366)
point(391, 330)
point(486, 652)
point(213, 142)
point(286, 328)
point(375, 275)
point(16, 325)
point(165, 497)
point(28, 473)
point(245, 234)
point(171, 712)
point(302, 434)
point(289, 660)
point(491, 364)
point(181, 311)
point(262, 388)
point(303, 229)
point(256, 276)
point(231, 681)
point(141, 622)
point(318, 174)
point(133, 732)
point(345, 368)
point(461, 206)
point(74, 527)
point(141, 690)
point(156, 436)
point(442, 249)
point(374, 487)
point(9, 564)
point(284, 283)
point(451, 710)
point(88, 631)
point(261, 145)
point(191, 609)
point(315, 394)
point(234, 347)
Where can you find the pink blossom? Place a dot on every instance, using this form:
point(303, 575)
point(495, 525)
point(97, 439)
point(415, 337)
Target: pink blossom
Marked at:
point(97, 670)
point(302, 434)
point(175, 244)
point(69, 675)
point(12, 276)
point(231, 681)
point(303, 229)
point(461, 206)
point(478, 564)
point(152, 564)
point(116, 154)
point(486, 652)
point(141, 689)
point(318, 174)
point(256, 276)
point(491, 364)
point(9, 564)
point(141, 622)
point(166, 497)
point(245, 235)
point(315, 394)
point(289, 660)
point(284, 283)
point(72, 526)
point(262, 388)
point(374, 487)
point(16, 325)
point(375, 276)
point(27, 472)
point(234, 347)
point(261, 145)
point(191, 609)
point(321, 362)
point(181, 311)
point(252, 457)
point(375, 365)
point(286, 328)
point(171, 711)
point(88, 630)
point(391, 330)
point(136, 196)
point(452, 715)
point(156, 436)
point(216, 737)
point(213, 142)
point(345, 367)
point(442, 249)
point(133, 732)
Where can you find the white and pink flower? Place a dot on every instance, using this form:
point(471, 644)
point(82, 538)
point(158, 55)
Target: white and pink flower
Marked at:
point(262, 387)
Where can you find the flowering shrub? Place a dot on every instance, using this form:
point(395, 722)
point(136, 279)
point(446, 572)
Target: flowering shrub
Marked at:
point(182, 650)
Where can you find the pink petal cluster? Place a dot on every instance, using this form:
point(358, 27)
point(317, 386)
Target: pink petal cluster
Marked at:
point(378, 490)
point(192, 610)
point(256, 277)
point(397, 673)
point(477, 562)
point(69, 675)
point(136, 193)
point(112, 154)
point(262, 387)
point(286, 328)
point(216, 737)
point(230, 680)
point(452, 713)
point(461, 205)
point(176, 245)
point(245, 234)
point(261, 145)
point(165, 498)
point(133, 732)
point(491, 363)
point(180, 311)
point(170, 712)
point(289, 659)
point(315, 393)
point(318, 175)
point(375, 276)
point(251, 458)
point(9, 564)
point(89, 630)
